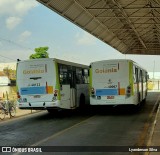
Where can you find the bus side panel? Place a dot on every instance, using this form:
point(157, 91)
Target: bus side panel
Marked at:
point(132, 99)
point(82, 89)
point(65, 94)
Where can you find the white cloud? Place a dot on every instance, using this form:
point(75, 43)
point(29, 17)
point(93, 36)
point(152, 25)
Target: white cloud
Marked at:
point(16, 7)
point(85, 39)
point(15, 10)
point(24, 36)
point(12, 22)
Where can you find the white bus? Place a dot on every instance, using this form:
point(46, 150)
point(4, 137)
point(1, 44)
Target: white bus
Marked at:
point(117, 82)
point(50, 84)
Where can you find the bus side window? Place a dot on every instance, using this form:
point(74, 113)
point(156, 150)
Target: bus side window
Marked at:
point(70, 79)
point(147, 76)
point(79, 77)
point(144, 76)
point(136, 75)
point(140, 76)
point(86, 75)
point(63, 74)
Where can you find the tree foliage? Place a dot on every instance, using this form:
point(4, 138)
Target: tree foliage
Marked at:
point(10, 73)
point(41, 52)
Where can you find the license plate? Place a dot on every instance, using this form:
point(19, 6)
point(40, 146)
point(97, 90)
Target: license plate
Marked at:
point(37, 96)
point(110, 97)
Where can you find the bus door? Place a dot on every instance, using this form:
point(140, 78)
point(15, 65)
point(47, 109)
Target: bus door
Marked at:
point(65, 87)
point(141, 84)
point(137, 84)
point(72, 77)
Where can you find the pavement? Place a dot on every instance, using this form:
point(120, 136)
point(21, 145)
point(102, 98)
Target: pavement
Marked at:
point(20, 113)
point(155, 138)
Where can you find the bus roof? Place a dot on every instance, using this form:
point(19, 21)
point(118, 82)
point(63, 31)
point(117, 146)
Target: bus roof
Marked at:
point(56, 60)
point(118, 60)
point(112, 60)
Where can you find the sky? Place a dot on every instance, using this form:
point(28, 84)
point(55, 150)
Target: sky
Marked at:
point(27, 24)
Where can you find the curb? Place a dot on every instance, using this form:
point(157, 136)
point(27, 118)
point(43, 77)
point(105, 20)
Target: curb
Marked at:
point(153, 126)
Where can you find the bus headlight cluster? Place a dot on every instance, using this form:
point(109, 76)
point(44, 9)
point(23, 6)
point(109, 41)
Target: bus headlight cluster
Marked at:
point(55, 95)
point(92, 92)
point(20, 100)
point(54, 98)
point(128, 93)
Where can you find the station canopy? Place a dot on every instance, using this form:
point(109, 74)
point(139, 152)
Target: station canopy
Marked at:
point(130, 26)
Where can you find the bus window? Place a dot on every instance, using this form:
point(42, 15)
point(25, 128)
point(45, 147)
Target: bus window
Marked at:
point(136, 75)
point(63, 74)
point(79, 77)
point(86, 75)
point(140, 76)
point(144, 76)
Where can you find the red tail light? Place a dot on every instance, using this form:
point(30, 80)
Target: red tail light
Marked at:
point(128, 90)
point(55, 92)
point(92, 92)
point(18, 95)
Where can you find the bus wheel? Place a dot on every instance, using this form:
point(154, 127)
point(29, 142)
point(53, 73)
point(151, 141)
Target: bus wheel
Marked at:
point(52, 111)
point(82, 101)
point(139, 97)
point(144, 101)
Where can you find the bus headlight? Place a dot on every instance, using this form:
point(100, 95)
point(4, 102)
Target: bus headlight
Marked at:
point(24, 99)
point(20, 100)
point(92, 92)
point(54, 98)
point(128, 91)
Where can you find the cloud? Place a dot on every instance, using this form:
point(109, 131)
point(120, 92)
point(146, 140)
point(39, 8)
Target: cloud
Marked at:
point(16, 7)
point(85, 39)
point(12, 22)
point(24, 36)
point(14, 10)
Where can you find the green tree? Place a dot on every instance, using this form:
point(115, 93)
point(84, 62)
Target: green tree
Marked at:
point(10, 73)
point(41, 52)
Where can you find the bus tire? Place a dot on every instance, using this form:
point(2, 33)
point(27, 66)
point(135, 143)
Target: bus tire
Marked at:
point(82, 101)
point(144, 100)
point(52, 111)
point(139, 98)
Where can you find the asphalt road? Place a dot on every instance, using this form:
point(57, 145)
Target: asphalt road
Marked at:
point(92, 129)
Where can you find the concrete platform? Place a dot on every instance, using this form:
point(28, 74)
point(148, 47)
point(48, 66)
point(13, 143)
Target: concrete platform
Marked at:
point(155, 139)
point(155, 133)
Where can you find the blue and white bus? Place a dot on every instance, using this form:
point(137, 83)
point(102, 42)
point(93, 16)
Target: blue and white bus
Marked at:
point(117, 82)
point(50, 84)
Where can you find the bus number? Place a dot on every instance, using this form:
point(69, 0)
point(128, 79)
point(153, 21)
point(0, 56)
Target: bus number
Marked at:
point(110, 97)
point(34, 84)
point(112, 86)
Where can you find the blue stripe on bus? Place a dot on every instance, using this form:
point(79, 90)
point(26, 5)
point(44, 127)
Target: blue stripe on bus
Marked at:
point(33, 90)
point(101, 92)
